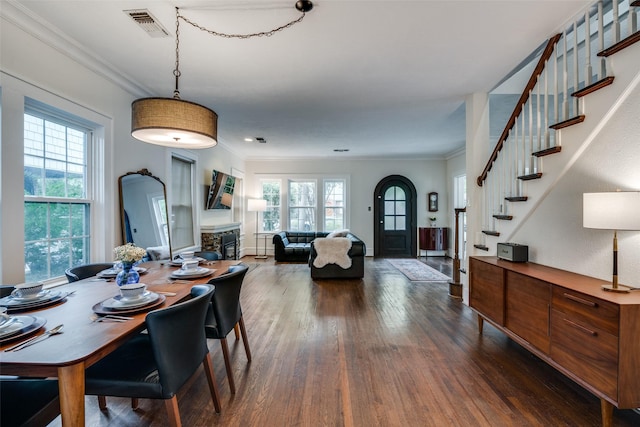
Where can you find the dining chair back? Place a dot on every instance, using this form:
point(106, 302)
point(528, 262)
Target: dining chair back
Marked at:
point(157, 364)
point(87, 270)
point(209, 255)
point(5, 290)
point(225, 312)
point(28, 402)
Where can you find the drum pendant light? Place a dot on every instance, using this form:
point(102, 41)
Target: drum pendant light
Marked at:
point(172, 122)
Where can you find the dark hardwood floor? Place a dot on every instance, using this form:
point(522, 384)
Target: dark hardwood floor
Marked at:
point(381, 351)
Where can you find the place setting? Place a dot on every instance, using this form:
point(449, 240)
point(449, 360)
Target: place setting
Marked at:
point(133, 298)
point(28, 296)
point(190, 269)
point(14, 327)
point(178, 260)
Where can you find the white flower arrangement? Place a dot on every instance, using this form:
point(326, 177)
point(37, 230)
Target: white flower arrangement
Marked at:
point(129, 253)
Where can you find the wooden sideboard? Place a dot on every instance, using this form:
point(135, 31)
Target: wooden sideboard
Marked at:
point(566, 319)
point(433, 238)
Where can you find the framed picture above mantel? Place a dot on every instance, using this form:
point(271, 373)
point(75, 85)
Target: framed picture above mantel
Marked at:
point(432, 201)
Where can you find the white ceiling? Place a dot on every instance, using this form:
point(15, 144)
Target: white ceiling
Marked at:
point(380, 78)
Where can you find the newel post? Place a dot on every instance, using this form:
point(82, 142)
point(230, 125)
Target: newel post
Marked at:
point(455, 287)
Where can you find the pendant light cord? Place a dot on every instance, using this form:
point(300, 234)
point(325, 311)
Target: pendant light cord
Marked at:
point(240, 36)
point(176, 71)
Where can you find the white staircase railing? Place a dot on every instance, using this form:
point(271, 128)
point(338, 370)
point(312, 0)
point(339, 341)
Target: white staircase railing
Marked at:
point(573, 64)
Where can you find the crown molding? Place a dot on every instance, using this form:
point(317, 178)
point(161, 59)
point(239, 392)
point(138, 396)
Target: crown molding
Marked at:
point(34, 25)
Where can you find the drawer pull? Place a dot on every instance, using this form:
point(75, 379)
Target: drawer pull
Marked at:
point(581, 300)
point(582, 328)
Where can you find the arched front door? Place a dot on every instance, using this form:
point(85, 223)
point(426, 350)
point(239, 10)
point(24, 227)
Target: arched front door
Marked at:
point(395, 218)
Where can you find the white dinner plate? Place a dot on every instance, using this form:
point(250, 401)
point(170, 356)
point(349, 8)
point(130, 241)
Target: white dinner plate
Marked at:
point(110, 273)
point(119, 303)
point(189, 274)
point(15, 324)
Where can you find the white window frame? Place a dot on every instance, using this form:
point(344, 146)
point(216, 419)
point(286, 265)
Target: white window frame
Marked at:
point(278, 207)
point(196, 194)
point(284, 195)
point(14, 95)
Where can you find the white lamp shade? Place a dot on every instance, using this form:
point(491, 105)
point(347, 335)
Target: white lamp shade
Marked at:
point(256, 205)
point(618, 210)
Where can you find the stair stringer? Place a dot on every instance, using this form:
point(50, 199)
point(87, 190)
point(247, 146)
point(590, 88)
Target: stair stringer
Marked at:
point(599, 107)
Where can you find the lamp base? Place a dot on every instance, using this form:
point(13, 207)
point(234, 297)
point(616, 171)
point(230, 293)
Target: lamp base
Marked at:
point(619, 288)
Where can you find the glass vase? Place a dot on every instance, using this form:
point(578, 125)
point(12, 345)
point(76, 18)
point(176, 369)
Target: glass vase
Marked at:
point(127, 275)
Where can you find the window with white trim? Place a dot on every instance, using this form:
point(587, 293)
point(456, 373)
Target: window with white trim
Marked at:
point(271, 192)
point(334, 204)
point(302, 205)
point(57, 194)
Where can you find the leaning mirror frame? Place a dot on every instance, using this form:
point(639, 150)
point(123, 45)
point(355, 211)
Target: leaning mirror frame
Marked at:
point(142, 198)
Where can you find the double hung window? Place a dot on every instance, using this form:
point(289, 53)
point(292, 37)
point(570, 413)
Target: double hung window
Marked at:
point(57, 194)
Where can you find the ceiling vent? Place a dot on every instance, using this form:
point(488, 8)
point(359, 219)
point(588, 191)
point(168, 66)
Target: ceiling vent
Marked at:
point(261, 140)
point(147, 22)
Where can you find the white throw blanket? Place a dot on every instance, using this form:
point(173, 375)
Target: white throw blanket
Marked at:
point(332, 251)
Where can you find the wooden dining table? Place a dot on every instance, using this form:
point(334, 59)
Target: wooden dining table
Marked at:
point(83, 341)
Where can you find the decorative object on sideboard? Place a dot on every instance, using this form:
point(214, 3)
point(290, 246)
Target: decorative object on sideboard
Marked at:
point(257, 206)
point(432, 201)
point(172, 122)
point(513, 252)
point(615, 211)
point(432, 221)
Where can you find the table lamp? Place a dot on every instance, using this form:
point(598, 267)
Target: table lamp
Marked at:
point(615, 211)
point(257, 206)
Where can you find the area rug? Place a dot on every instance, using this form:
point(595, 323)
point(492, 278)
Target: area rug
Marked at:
point(417, 271)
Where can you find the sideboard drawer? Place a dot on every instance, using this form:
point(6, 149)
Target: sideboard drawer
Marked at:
point(486, 290)
point(587, 351)
point(587, 309)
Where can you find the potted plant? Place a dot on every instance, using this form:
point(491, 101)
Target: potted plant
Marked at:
point(433, 221)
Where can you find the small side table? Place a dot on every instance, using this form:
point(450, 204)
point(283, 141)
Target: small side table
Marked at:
point(266, 235)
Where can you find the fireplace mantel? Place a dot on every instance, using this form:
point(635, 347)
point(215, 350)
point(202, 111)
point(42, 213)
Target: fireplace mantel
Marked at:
point(220, 228)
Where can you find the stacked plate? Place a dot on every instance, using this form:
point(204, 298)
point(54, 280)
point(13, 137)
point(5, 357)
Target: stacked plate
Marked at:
point(44, 298)
point(18, 326)
point(194, 273)
point(177, 262)
point(119, 304)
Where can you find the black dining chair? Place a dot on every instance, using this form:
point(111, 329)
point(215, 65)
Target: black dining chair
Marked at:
point(208, 255)
point(87, 270)
point(28, 402)
point(225, 313)
point(157, 364)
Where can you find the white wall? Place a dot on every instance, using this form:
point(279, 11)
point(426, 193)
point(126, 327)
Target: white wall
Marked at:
point(426, 175)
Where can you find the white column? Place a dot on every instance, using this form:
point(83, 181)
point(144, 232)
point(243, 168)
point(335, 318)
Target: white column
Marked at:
point(477, 153)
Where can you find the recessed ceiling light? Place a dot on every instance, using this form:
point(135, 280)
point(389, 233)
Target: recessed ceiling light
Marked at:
point(248, 140)
point(340, 150)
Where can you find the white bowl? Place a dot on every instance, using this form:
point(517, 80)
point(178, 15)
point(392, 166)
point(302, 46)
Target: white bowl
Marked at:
point(132, 290)
point(27, 290)
point(190, 265)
